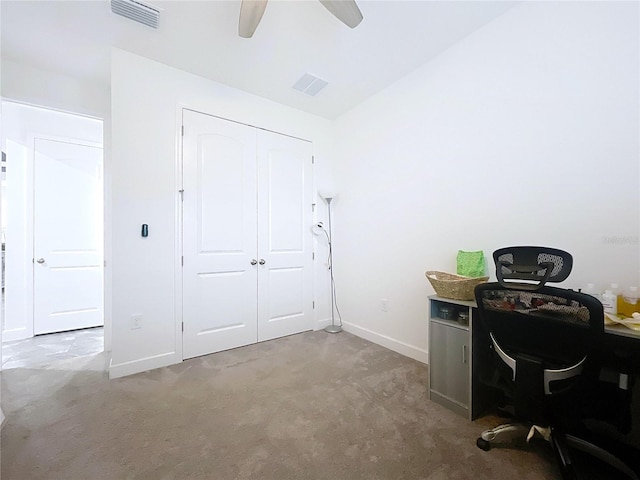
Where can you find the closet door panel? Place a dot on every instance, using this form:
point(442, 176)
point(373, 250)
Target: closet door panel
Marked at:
point(219, 235)
point(284, 241)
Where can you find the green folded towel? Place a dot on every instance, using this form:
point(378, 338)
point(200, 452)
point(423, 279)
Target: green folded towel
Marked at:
point(470, 264)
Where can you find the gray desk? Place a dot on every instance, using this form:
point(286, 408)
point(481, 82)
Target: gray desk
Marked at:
point(456, 349)
point(624, 343)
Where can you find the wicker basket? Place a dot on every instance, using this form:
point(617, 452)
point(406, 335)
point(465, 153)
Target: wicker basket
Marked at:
point(457, 287)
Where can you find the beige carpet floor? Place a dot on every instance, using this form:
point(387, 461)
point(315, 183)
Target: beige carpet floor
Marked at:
point(310, 406)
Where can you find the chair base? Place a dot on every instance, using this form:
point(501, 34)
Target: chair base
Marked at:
point(504, 433)
point(560, 442)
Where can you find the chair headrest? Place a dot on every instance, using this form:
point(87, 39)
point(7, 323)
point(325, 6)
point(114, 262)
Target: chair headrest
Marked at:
point(532, 264)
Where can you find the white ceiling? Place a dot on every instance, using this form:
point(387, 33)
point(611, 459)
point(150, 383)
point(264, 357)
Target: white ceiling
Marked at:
point(294, 37)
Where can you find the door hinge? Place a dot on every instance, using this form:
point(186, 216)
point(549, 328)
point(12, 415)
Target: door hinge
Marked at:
point(105, 263)
point(314, 305)
point(313, 159)
point(181, 192)
point(313, 255)
point(182, 260)
point(313, 207)
point(183, 326)
point(183, 130)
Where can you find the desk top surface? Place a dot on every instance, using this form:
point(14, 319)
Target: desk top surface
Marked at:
point(622, 331)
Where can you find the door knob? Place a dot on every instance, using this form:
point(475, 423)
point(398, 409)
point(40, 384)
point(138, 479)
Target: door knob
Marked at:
point(262, 261)
point(254, 261)
point(40, 260)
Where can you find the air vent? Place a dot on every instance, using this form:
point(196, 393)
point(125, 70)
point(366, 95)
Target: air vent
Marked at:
point(310, 84)
point(136, 11)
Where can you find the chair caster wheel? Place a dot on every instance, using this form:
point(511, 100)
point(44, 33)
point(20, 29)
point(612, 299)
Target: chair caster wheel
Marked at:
point(483, 444)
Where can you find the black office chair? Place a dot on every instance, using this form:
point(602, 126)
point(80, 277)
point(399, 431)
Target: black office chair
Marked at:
point(546, 343)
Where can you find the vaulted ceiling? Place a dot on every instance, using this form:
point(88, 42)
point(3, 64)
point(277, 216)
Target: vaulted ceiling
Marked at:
point(295, 37)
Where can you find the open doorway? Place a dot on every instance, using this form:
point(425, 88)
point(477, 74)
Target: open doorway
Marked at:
point(52, 235)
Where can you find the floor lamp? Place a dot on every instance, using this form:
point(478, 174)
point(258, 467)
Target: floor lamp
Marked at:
point(333, 328)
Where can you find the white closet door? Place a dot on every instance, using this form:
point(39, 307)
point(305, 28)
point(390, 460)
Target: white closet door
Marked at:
point(67, 269)
point(284, 242)
point(219, 235)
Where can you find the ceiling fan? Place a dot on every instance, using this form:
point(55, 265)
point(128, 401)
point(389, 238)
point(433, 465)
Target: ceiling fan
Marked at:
point(251, 12)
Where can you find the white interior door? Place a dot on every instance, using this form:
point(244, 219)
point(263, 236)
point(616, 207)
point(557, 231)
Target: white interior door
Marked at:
point(247, 254)
point(68, 259)
point(219, 235)
point(285, 297)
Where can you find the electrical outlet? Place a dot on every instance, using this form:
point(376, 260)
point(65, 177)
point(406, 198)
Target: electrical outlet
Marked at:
point(136, 321)
point(384, 305)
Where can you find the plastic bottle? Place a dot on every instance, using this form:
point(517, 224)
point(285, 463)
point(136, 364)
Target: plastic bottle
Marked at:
point(628, 302)
point(609, 302)
point(590, 289)
point(631, 295)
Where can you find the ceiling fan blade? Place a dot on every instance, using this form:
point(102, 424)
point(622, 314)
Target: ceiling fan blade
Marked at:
point(344, 10)
point(251, 12)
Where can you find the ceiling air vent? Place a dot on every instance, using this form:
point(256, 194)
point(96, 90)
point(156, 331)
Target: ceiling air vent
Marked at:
point(136, 11)
point(310, 84)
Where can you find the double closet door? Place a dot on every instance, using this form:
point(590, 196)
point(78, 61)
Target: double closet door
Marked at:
point(247, 254)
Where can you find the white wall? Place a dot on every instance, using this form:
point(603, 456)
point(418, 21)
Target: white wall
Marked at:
point(24, 83)
point(146, 97)
point(20, 123)
point(525, 132)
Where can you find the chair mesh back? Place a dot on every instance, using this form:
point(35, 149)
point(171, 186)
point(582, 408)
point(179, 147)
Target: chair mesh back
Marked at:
point(555, 325)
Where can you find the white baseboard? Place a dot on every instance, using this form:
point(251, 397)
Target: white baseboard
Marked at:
point(16, 334)
point(320, 324)
point(142, 365)
point(402, 348)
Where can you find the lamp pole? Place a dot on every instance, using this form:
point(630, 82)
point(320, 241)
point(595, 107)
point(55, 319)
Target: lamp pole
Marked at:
point(333, 328)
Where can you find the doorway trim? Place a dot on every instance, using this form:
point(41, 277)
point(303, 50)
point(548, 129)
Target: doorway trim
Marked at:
point(26, 306)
